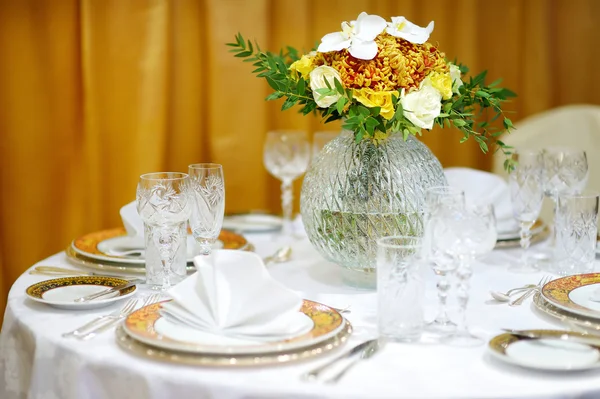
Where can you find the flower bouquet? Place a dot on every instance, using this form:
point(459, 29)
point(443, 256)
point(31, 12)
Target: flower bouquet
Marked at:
point(386, 83)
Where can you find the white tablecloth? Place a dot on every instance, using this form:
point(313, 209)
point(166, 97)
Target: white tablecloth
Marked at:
point(37, 363)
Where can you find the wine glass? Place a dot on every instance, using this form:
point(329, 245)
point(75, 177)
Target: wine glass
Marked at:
point(286, 156)
point(441, 263)
point(163, 203)
point(208, 193)
point(527, 194)
point(464, 233)
point(565, 171)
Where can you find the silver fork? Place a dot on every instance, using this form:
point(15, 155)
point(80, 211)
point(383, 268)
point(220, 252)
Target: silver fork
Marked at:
point(106, 326)
point(129, 305)
point(532, 291)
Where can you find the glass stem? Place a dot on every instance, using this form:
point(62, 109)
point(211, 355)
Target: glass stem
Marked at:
point(443, 286)
point(525, 241)
point(463, 273)
point(287, 197)
point(166, 274)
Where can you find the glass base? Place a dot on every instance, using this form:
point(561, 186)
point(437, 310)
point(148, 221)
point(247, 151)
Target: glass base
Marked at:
point(441, 326)
point(365, 279)
point(463, 339)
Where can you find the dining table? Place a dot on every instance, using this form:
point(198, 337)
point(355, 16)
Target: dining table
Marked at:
point(37, 362)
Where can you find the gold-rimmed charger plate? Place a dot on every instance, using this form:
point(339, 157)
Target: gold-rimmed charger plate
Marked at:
point(572, 293)
point(549, 353)
point(540, 233)
point(210, 360)
point(562, 315)
point(142, 325)
point(88, 245)
point(62, 292)
point(109, 267)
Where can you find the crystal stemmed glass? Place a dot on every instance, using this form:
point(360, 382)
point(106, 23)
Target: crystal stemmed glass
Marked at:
point(464, 233)
point(527, 194)
point(208, 205)
point(565, 171)
point(163, 203)
point(441, 263)
point(286, 156)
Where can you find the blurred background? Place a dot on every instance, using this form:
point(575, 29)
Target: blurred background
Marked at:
point(94, 93)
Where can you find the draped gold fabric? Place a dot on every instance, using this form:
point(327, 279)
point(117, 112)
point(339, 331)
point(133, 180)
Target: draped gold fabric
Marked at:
point(95, 92)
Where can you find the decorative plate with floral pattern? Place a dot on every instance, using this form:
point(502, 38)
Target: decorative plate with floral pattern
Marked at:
point(94, 245)
point(141, 326)
point(574, 294)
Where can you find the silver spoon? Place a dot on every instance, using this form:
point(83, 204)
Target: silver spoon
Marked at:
point(283, 254)
point(505, 296)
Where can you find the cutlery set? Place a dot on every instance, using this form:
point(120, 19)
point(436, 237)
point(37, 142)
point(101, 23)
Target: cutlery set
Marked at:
point(526, 291)
point(105, 322)
point(360, 352)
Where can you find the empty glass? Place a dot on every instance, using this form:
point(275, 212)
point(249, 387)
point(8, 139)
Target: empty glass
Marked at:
point(163, 203)
point(576, 233)
point(208, 193)
point(442, 264)
point(286, 156)
point(527, 194)
point(565, 171)
point(400, 288)
point(464, 233)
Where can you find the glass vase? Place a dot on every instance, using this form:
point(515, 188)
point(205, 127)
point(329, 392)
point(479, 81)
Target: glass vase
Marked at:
point(355, 193)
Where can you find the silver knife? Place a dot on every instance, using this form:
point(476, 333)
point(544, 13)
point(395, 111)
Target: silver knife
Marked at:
point(314, 374)
point(589, 339)
point(108, 291)
point(367, 352)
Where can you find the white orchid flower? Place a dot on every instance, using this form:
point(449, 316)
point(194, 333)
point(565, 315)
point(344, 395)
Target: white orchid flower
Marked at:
point(403, 28)
point(356, 36)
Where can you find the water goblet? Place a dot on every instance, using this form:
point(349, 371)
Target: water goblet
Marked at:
point(441, 263)
point(464, 233)
point(565, 171)
point(527, 194)
point(286, 156)
point(208, 205)
point(163, 203)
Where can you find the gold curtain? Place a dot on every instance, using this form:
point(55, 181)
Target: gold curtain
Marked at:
point(95, 92)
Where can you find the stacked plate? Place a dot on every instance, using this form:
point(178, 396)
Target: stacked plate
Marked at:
point(509, 234)
point(114, 251)
point(147, 333)
point(574, 300)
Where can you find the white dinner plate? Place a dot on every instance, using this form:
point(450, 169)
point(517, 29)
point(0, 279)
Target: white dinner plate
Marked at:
point(62, 292)
point(573, 294)
point(550, 354)
point(253, 223)
point(148, 326)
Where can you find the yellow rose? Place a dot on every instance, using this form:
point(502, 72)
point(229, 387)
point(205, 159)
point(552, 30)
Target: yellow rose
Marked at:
point(371, 98)
point(304, 65)
point(442, 82)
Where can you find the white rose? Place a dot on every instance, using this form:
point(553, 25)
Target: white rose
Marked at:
point(421, 107)
point(455, 76)
point(317, 81)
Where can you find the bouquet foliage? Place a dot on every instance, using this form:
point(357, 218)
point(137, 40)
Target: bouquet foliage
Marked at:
point(383, 78)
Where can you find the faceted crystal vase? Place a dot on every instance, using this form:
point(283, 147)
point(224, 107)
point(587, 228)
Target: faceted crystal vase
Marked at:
point(354, 193)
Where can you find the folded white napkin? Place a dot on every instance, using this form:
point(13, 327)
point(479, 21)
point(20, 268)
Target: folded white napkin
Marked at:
point(132, 220)
point(232, 294)
point(486, 187)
